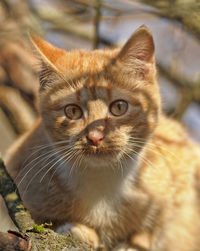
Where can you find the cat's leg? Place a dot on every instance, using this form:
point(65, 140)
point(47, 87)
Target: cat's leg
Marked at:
point(179, 230)
point(141, 241)
point(80, 232)
point(124, 247)
point(137, 242)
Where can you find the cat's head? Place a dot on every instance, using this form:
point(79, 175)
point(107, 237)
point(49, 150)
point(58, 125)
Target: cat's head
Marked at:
point(100, 105)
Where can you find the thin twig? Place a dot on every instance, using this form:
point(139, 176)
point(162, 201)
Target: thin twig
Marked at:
point(97, 20)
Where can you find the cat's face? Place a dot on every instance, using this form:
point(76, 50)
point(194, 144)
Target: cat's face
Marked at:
point(101, 105)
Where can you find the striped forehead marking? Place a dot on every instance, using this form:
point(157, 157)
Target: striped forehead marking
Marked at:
point(92, 89)
point(78, 94)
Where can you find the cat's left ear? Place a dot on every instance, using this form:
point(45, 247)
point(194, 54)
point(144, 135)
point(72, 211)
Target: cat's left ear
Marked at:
point(140, 46)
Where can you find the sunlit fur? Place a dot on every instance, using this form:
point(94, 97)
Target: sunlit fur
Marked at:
point(142, 179)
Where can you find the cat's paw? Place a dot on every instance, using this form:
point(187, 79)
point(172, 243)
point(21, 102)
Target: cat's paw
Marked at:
point(124, 247)
point(80, 232)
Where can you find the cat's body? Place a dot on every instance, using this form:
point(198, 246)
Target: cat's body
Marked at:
point(104, 156)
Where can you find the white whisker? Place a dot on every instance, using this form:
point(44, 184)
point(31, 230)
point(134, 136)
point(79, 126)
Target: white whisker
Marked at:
point(50, 154)
point(60, 158)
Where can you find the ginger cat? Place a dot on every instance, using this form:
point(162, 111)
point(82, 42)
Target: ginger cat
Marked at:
point(103, 161)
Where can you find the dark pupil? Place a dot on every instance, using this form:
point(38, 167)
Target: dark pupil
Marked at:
point(73, 110)
point(119, 106)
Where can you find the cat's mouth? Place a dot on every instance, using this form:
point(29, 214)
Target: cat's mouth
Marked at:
point(96, 150)
point(100, 151)
point(104, 152)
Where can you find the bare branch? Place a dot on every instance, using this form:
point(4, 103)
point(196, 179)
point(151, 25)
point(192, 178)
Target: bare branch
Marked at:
point(97, 19)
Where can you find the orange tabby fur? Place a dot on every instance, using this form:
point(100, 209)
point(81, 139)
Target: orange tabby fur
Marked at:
point(139, 187)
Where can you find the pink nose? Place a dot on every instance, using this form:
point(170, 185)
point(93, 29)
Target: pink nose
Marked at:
point(95, 136)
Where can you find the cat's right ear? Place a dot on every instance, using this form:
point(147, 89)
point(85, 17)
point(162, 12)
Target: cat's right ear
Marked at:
point(51, 58)
point(48, 53)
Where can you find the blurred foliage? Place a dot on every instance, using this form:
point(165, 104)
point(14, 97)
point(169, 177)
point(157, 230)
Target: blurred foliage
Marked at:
point(18, 67)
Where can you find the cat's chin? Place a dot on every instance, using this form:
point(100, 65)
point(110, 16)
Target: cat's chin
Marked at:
point(99, 157)
point(95, 152)
point(95, 161)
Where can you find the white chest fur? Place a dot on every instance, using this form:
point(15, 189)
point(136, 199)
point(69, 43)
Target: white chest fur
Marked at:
point(102, 192)
point(102, 196)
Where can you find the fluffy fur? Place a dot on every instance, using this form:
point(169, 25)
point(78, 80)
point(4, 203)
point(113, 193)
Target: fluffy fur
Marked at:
point(130, 180)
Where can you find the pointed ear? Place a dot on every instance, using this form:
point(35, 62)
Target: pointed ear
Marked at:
point(49, 54)
point(139, 46)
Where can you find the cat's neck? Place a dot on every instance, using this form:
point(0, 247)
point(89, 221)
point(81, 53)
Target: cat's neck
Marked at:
point(100, 182)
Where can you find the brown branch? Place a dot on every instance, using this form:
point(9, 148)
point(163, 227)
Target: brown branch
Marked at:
point(97, 19)
point(20, 216)
point(188, 13)
point(10, 241)
point(179, 80)
point(189, 91)
point(19, 110)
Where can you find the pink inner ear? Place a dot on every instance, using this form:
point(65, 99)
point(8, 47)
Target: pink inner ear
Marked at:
point(147, 69)
point(139, 46)
point(50, 54)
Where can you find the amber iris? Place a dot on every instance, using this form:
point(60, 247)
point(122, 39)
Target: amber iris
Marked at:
point(73, 111)
point(119, 107)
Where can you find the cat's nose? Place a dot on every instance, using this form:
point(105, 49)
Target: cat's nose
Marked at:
point(95, 137)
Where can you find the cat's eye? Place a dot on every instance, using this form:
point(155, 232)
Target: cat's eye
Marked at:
point(119, 107)
point(73, 111)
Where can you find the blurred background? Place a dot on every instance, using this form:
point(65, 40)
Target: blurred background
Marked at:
point(89, 24)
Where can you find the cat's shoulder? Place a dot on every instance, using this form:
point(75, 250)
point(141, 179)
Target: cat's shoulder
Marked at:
point(175, 137)
point(171, 159)
point(172, 130)
point(23, 146)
